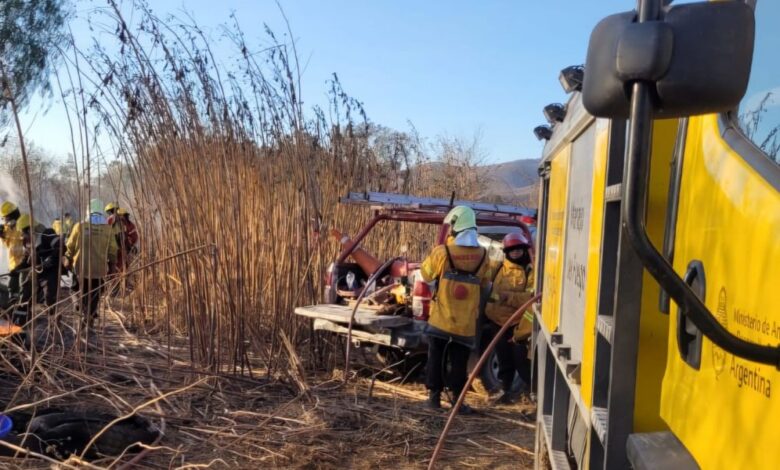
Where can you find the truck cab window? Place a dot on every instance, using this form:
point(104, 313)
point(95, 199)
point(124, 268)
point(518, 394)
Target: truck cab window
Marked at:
point(759, 113)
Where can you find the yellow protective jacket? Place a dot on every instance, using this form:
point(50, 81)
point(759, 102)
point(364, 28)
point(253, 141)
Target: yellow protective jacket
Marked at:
point(513, 286)
point(91, 247)
point(13, 242)
point(455, 307)
point(67, 226)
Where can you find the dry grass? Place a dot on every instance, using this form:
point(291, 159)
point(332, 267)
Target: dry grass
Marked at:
point(286, 421)
point(221, 154)
point(222, 166)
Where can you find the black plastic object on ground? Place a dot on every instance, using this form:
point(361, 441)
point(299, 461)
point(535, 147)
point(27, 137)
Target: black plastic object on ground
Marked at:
point(60, 433)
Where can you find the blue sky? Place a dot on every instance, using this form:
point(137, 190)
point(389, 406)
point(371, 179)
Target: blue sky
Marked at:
point(449, 67)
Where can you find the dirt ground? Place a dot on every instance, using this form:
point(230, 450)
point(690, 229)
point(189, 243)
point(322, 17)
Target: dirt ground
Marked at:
point(213, 420)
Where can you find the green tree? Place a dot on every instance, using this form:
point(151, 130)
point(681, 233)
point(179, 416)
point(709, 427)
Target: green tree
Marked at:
point(29, 31)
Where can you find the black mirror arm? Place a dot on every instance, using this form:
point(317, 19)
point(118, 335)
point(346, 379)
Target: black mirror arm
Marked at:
point(635, 184)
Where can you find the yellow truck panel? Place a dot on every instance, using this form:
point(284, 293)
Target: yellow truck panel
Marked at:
point(596, 223)
point(556, 221)
point(653, 324)
point(726, 413)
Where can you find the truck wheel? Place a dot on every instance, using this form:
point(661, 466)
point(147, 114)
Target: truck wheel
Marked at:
point(489, 382)
point(407, 364)
point(488, 376)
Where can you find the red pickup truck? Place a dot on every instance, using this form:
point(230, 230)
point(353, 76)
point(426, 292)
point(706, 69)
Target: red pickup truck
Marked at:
point(393, 313)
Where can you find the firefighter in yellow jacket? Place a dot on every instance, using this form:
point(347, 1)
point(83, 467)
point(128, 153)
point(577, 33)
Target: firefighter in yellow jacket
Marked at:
point(91, 250)
point(461, 268)
point(13, 241)
point(509, 290)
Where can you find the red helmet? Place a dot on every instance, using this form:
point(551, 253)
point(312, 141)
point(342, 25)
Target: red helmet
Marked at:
point(515, 239)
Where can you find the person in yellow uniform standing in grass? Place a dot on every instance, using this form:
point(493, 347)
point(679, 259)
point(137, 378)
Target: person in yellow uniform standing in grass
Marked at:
point(13, 241)
point(91, 250)
point(510, 290)
point(46, 244)
point(56, 225)
point(67, 225)
point(461, 268)
point(63, 226)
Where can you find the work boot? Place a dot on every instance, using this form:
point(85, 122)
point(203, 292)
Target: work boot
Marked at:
point(464, 409)
point(506, 398)
point(434, 400)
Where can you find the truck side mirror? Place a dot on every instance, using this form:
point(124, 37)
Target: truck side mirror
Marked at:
point(697, 58)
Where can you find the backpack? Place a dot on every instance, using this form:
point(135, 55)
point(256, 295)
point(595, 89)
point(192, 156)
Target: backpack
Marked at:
point(458, 298)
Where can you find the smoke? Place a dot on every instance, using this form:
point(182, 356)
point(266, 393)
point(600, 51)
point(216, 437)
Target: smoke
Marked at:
point(9, 191)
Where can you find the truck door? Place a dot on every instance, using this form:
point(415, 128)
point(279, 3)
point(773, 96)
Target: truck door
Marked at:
point(725, 409)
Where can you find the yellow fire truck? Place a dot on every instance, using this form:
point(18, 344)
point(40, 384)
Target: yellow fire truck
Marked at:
point(656, 340)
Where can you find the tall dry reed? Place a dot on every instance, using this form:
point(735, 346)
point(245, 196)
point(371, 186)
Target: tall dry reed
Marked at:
point(227, 157)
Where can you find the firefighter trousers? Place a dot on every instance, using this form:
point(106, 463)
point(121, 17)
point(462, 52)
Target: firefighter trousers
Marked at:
point(512, 358)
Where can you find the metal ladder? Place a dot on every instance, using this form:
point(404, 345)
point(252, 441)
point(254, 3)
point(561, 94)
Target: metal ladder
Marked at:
point(409, 202)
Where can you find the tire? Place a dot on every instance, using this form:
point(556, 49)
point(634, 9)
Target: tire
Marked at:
point(489, 382)
point(408, 364)
point(488, 376)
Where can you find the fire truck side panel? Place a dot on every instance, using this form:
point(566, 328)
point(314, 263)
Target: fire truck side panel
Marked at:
point(595, 223)
point(556, 221)
point(653, 325)
point(726, 411)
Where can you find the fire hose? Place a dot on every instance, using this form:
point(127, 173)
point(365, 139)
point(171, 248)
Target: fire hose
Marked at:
point(454, 411)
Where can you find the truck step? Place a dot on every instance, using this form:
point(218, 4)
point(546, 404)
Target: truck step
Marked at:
point(604, 325)
point(613, 193)
point(558, 458)
point(651, 450)
point(598, 417)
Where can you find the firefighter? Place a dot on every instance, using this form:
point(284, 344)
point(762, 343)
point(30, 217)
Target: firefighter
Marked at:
point(64, 233)
point(67, 225)
point(47, 260)
point(509, 290)
point(91, 250)
point(460, 267)
point(12, 239)
point(56, 225)
point(110, 211)
point(127, 238)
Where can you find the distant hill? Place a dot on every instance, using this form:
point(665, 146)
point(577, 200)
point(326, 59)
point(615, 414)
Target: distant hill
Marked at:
point(513, 182)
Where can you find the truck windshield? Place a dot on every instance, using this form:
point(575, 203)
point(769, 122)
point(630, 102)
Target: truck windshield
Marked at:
point(759, 113)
